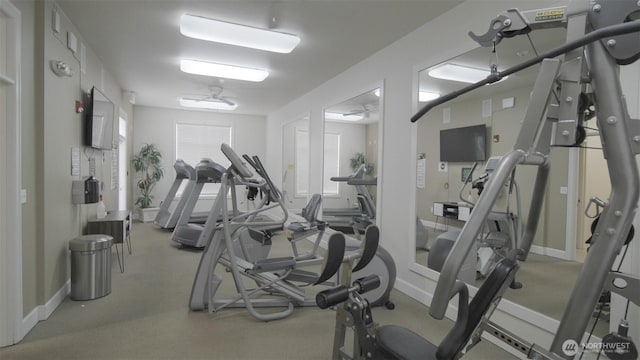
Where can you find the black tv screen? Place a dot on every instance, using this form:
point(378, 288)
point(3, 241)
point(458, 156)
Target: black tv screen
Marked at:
point(99, 121)
point(465, 144)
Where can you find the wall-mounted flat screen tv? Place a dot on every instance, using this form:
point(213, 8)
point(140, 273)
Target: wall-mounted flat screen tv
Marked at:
point(99, 121)
point(465, 144)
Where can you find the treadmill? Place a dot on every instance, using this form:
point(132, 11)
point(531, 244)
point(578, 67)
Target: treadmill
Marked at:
point(166, 218)
point(347, 212)
point(185, 232)
point(343, 219)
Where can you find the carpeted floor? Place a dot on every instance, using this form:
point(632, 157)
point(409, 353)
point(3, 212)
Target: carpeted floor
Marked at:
point(146, 317)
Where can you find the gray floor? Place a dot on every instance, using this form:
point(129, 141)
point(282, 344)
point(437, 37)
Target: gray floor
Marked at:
point(146, 317)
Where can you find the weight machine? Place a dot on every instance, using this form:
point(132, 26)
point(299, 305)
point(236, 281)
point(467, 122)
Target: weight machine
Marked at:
point(600, 36)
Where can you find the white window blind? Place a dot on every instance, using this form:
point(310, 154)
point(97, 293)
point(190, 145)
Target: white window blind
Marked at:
point(197, 141)
point(302, 162)
point(331, 163)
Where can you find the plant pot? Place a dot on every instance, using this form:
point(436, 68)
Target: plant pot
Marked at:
point(147, 214)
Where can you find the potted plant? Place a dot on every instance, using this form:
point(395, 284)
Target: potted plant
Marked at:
point(359, 159)
point(147, 163)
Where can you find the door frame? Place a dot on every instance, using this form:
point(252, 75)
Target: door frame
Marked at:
point(11, 313)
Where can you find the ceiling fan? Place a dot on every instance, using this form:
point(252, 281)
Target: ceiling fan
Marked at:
point(365, 111)
point(215, 95)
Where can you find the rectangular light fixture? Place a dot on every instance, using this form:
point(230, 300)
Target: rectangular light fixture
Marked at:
point(206, 104)
point(344, 117)
point(202, 28)
point(459, 73)
point(424, 96)
point(222, 71)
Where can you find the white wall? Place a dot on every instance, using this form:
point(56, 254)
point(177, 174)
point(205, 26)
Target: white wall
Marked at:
point(157, 125)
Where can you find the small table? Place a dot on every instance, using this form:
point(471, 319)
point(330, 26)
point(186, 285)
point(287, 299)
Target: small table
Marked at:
point(117, 224)
point(451, 210)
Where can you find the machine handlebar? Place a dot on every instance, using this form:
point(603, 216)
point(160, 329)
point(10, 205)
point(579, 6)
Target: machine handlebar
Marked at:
point(338, 294)
point(613, 30)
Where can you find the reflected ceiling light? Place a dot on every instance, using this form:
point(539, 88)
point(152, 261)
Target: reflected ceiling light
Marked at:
point(376, 92)
point(424, 96)
point(206, 104)
point(459, 73)
point(235, 34)
point(345, 117)
point(223, 71)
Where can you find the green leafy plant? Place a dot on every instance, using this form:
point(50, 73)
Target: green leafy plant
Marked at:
point(359, 159)
point(148, 163)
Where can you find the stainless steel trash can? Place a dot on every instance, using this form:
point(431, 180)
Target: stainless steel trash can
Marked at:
point(90, 266)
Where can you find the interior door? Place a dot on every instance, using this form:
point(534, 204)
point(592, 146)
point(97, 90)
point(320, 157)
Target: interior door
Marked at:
point(122, 165)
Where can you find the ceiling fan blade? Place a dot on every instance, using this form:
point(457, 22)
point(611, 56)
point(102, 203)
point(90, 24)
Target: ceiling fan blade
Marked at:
point(354, 112)
point(224, 100)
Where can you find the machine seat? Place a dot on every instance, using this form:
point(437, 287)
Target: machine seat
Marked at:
point(401, 343)
point(297, 227)
point(397, 342)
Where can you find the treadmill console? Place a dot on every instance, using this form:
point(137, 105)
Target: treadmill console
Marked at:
point(236, 161)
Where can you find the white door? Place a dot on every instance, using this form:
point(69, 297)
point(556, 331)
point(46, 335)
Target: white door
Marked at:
point(123, 164)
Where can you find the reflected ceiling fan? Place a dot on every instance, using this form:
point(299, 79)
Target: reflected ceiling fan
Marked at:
point(366, 110)
point(214, 100)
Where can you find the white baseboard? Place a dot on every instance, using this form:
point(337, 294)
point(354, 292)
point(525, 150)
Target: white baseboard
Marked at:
point(42, 312)
point(439, 226)
point(541, 250)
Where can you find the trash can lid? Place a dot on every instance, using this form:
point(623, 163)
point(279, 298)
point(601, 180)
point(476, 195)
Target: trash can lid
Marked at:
point(91, 242)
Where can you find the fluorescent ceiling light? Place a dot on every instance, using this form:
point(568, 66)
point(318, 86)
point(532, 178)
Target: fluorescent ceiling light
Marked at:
point(239, 35)
point(459, 73)
point(207, 104)
point(424, 96)
point(223, 71)
point(345, 117)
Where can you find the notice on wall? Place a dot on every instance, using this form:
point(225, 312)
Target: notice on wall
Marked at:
point(115, 176)
point(486, 108)
point(421, 173)
point(446, 115)
point(75, 161)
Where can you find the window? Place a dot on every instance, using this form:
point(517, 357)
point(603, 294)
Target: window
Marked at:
point(331, 163)
point(195, 141)
point(302, 162)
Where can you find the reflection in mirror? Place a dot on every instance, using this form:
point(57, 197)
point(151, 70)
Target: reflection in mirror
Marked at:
point(456, 143)
point(295, 163)
point(351, 162)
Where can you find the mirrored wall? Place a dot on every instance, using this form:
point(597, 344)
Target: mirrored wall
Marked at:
point(351, 165)
point(295, 163)
point(455, 144)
